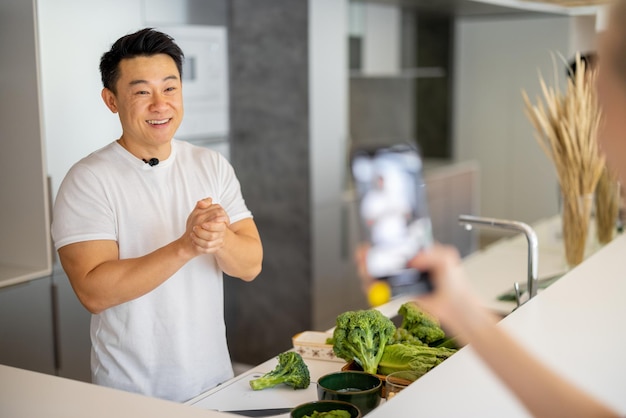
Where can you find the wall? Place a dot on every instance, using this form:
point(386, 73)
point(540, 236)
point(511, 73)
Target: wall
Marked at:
point(72, 37)
point(270, 150)
point(494, 60)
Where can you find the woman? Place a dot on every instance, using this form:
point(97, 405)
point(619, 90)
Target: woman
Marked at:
point(542, 391)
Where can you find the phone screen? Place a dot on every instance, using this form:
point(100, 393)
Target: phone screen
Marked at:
point(393, 212)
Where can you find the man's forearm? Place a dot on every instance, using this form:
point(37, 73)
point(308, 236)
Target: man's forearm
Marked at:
point(242, 254)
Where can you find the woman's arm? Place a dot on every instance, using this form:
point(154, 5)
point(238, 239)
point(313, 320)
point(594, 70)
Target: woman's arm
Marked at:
point(543, 392)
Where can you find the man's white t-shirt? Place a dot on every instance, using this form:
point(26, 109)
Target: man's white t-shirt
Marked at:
point(171, 342)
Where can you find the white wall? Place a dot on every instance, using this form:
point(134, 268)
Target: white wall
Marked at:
point(582, 34)
point(494, 60)
point(381, 39)
point(73, 35)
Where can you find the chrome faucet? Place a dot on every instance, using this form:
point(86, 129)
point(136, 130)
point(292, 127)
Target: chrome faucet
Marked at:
point(469, 221)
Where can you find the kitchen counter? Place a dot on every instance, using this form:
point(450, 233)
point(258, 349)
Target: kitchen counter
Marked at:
point(575, 326)
point(26, 394)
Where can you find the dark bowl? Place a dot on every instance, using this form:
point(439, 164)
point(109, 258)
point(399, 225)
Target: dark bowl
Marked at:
point(358, 388)
point(325, 406)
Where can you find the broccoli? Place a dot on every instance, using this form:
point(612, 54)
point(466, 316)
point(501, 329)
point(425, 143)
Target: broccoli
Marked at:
point(403, 336)
point(290, 370)
point(420, 324)
point(419, 359)
point(362, 336)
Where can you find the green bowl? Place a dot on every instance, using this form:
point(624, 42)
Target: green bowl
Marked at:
point(358, 388)
point(308, 409)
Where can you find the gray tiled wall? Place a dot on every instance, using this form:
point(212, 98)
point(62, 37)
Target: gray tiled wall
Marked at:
point(270, 153)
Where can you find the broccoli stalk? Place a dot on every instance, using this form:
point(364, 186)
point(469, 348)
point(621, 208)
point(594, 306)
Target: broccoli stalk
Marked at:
point(362, 336)
point(290, 370)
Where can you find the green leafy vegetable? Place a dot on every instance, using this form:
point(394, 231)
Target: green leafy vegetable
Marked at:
point(419, 324)
point(362, 336)
point(290, 370)
point(420, 359)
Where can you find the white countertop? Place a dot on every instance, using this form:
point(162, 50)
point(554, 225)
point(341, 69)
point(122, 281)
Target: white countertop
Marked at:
point(575, 326)
point(26, 394)
point(236, 394)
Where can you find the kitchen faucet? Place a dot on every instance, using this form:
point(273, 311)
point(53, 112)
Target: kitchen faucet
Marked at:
point(469, 221)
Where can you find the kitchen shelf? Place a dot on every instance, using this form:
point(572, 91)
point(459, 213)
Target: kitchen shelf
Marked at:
point(12, 275)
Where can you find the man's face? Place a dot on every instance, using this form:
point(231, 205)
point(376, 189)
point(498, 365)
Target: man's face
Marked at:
point(149, 100)
point(612, 97)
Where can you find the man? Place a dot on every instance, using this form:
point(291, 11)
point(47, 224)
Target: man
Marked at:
point(144, 228)
point(543, 392)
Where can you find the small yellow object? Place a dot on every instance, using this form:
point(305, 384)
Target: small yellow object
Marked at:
point(379, 293)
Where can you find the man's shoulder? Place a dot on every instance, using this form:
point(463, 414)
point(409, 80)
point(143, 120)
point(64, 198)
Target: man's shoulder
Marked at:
point(104, 153)
point(98, 163)
point(189, 151)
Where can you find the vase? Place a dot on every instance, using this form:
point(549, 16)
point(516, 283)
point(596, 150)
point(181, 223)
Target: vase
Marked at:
point(576, 217)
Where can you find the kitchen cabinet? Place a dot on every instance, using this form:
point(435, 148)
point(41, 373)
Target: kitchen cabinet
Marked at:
point(26, 326)
point(25, 252)
point(44, 328)
point(72, 333)
point(453, 190)
point(400, 84)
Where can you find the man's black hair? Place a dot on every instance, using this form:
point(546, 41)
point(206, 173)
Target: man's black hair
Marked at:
point(145, 42)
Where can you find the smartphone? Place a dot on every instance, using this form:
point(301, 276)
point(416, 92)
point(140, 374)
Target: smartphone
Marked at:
point(392, 208)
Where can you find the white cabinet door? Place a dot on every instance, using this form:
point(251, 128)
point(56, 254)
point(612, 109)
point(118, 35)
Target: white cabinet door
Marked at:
point(24, 241)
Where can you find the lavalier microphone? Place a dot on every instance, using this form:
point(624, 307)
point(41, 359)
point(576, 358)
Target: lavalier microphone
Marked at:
point(152, 161)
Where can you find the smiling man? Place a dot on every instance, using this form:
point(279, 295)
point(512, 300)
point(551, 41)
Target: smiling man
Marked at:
point(146, 226)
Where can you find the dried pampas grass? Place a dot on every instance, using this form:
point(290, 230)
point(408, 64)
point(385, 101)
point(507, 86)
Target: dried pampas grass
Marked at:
point(566, 127)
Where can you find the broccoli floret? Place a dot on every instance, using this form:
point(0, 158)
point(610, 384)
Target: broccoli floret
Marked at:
point(362, 336)
point(403, 336)
point(290, 370)
point(420, 324)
